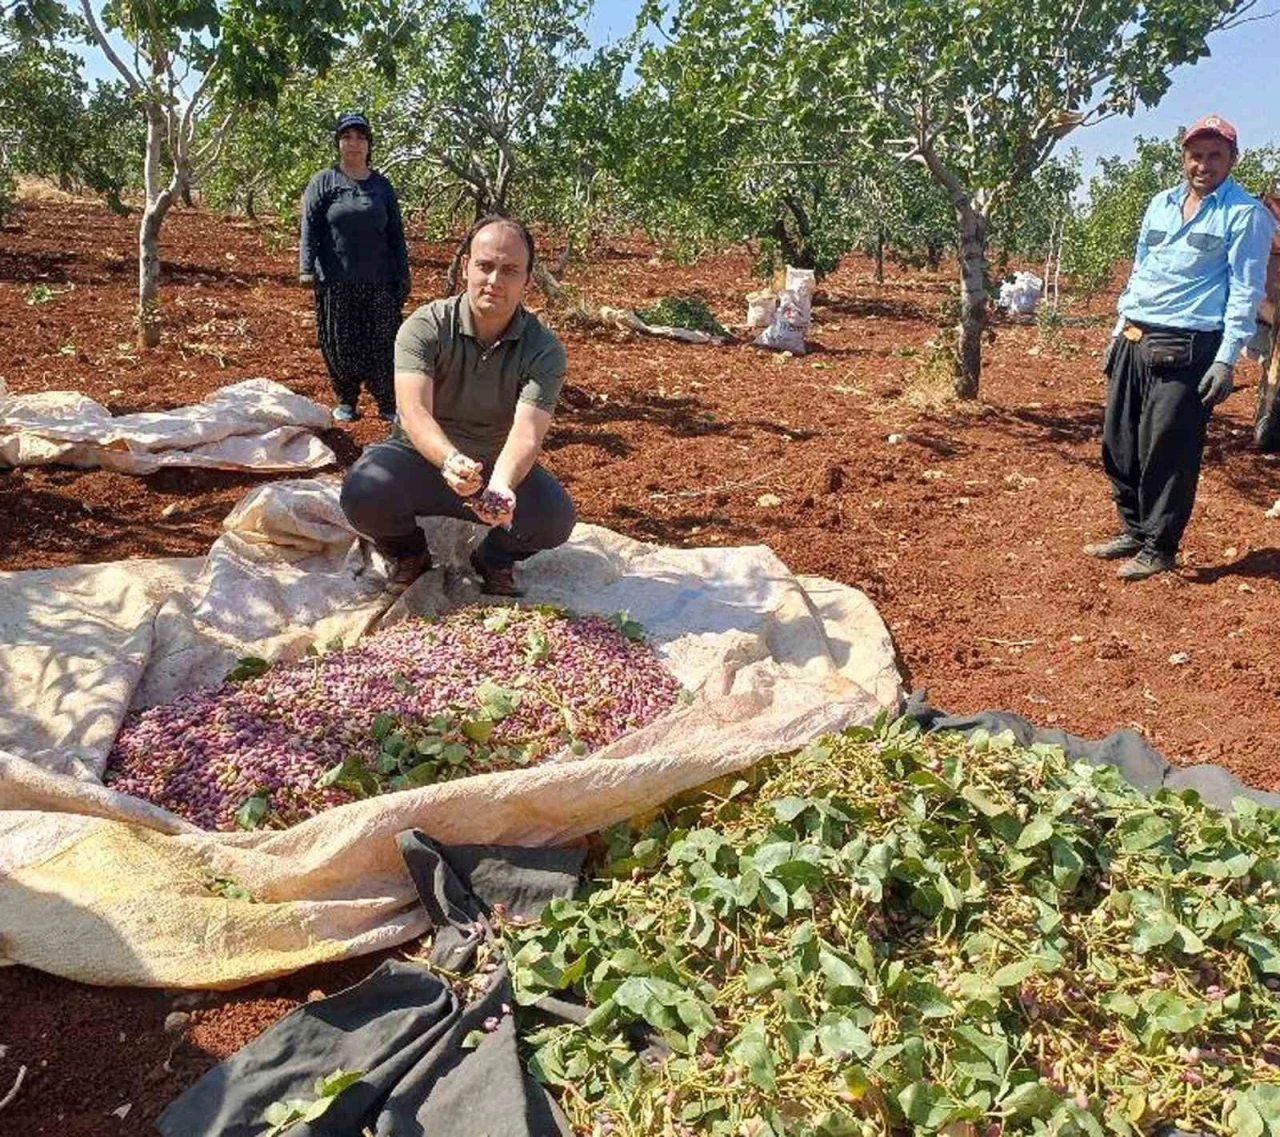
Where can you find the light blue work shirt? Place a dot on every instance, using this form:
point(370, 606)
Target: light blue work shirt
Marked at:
point(1203, 274)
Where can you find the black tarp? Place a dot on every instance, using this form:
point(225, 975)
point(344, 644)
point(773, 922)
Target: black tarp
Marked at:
point(1127, 750)
point(403, 1026)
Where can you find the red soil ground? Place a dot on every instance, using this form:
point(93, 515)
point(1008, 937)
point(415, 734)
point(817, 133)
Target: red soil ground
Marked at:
point(963, 524)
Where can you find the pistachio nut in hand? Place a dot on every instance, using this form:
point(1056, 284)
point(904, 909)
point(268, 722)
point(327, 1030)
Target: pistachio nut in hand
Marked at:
point(496, 505)
point(463, 475)
point(1216, 384)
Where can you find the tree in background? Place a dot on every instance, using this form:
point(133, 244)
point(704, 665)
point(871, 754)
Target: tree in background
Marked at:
point(979, 92)
point(191, 57)
point(729, 156)
point(25, 25)
point(479, 82)
point(56, 127)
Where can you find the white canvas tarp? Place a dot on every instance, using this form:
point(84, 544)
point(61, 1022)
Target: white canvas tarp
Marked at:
point(253, 425)
point(105, 888)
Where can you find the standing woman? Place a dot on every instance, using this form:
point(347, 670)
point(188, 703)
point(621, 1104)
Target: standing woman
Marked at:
point(353, 252)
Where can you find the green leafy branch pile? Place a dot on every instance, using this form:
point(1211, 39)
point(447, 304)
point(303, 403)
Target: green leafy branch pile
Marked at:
point(689, 312)
point(895, 933)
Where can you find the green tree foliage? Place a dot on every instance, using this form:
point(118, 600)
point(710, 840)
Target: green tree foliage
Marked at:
point(479, 83)
point(57, 127)
point(192, 58)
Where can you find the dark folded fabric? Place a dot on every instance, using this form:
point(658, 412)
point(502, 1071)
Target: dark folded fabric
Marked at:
point(403, 1026)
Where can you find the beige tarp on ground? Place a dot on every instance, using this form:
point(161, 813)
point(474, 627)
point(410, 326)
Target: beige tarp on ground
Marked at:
point(106, 888)
point(252, 425)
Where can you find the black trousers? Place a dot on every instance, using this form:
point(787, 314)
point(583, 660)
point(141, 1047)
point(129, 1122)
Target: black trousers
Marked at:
point(356, 327)
point(1153, 434)
point(391, 485)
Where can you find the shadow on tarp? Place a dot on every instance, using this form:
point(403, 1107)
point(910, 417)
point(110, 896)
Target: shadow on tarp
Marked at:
point(1126, 750)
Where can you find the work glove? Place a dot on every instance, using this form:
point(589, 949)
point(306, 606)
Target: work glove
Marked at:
point(1109, 356)
point(1216, 384)
point(462, 474)
point(495, 505)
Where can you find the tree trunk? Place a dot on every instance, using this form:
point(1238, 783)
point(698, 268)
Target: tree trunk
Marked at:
point(186, 196)
point(114, 203)
point(158, 202)
point(551, 288)
point(248, 204)
point(562, 262)
point(455, 267)
point(879, 254)
point(797, 250)
point(973, 297)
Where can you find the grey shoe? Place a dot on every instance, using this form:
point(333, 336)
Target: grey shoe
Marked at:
point(345, 412)
point(408, 569)
point(1113, 548)
point(1145, 564)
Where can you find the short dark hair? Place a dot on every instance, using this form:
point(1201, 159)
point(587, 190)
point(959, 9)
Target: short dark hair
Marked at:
point(498, 219)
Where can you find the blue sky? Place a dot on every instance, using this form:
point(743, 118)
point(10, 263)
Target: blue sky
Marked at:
point(1238, 81)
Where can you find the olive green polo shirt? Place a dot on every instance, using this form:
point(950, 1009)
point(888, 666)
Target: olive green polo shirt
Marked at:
point(476, 388)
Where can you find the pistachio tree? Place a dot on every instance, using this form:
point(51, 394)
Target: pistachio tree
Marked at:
point(187, 59)
point(479, 84)
point(980, 92)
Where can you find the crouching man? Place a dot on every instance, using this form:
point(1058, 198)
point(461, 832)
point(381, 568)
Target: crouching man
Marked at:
point(477, 378)
point(1185, 314)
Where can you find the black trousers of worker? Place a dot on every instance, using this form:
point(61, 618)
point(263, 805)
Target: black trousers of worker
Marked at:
point(391, 485)
point(356, 325)
point(1153, 434)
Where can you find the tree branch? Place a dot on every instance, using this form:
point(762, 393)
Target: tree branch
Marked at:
point(104, 44)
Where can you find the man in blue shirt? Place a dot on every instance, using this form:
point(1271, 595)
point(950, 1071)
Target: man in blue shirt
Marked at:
point(1189, 307)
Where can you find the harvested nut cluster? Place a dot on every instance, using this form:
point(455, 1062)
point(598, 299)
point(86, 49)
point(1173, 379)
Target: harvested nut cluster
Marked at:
point(483, 689)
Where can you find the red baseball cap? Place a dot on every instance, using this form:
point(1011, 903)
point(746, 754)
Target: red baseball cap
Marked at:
point(1211, 124)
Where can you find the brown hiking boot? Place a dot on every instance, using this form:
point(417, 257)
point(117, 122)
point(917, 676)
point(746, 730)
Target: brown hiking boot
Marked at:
point(1113, 548)
point(496, 580)
point(408, 569)
point(1146, 564)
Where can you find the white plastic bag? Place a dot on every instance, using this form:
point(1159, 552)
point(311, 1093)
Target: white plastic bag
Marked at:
point(1022, 294)
point(760, 308)
point(786, 333)
point(802, 283)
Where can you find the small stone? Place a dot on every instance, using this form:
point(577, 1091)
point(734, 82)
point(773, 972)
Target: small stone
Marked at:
point(768, 500)
point(1244, 587)
point(176, 1022)
point(1274, 512)
point(115, 393)
point(1231, 553)
point(171, 509)
point(894, 439)
point(1179, 657)
point(123, 1111)
point(1077, 639)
